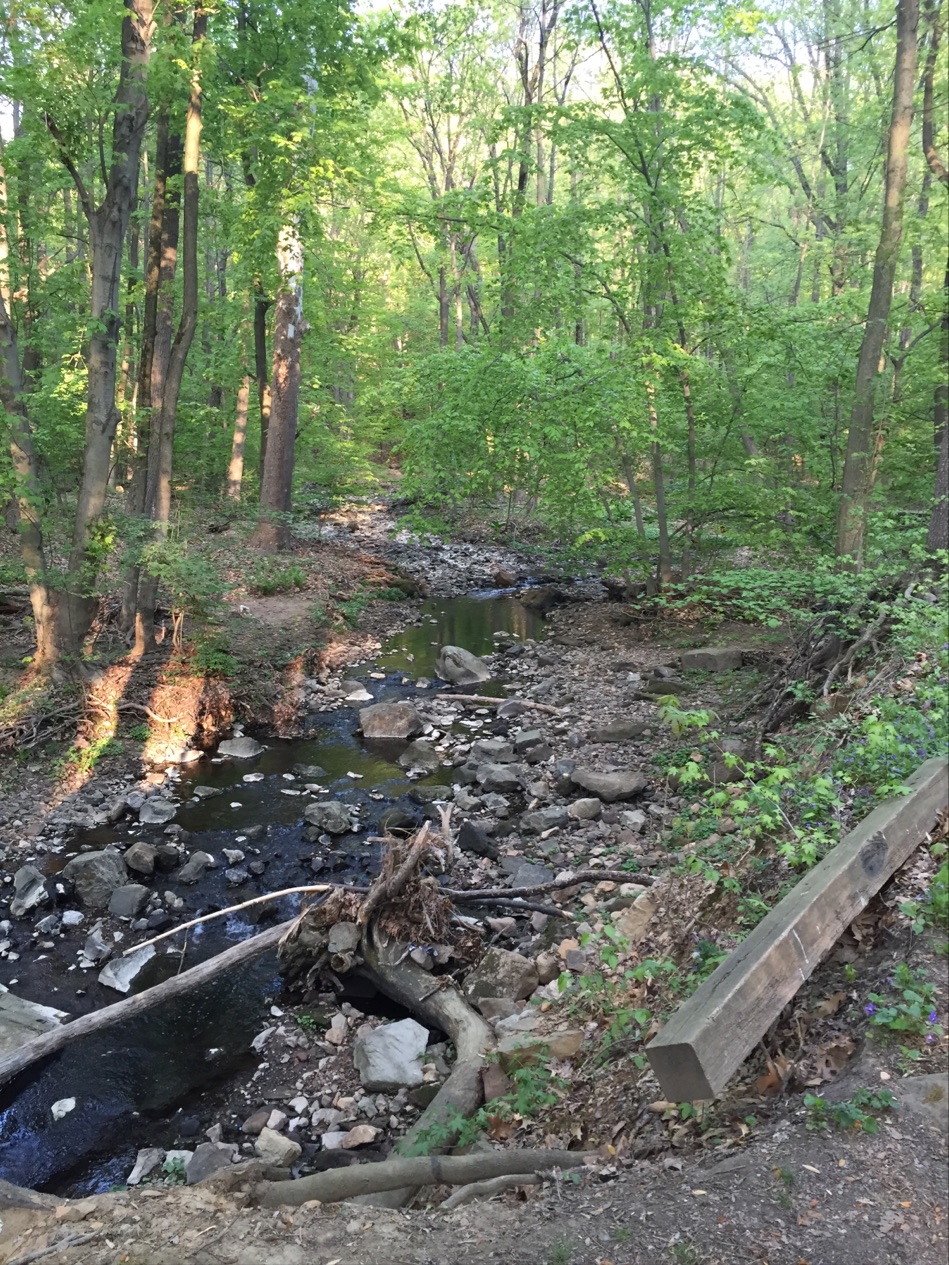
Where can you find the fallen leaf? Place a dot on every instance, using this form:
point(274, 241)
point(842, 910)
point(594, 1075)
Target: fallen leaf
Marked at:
point(830, 1005)
point(810, 1168)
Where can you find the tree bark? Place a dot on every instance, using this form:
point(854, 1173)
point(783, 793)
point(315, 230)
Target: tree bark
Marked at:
point(108, 224)
point(272, 531)
point(857, 488)
point(938, 535)
point(262, 370)
point(235, 470)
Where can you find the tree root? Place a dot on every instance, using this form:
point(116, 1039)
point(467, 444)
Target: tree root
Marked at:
point(339, 1184)
point(488, 1189)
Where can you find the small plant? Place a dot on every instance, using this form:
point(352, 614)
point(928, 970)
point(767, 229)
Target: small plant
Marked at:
point(139, 733)
point(307, 1021)
point(174, 1170)
point(860, 1112)
point(931, 908)
point(269, 577)
point(212, 656)
point(352, 609)
point(561, 1253)
point(910, 1006)
point(83, 759)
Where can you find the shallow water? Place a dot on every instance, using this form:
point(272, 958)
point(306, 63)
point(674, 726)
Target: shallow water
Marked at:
point(129, 1081)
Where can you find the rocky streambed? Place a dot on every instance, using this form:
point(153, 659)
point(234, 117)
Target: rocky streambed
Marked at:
point(558, 776)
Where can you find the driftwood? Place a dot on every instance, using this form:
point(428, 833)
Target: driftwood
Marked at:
point(51, 1042)
point(488, 1189)
point(472, 895)
point(338, 1184)
point(482, 700)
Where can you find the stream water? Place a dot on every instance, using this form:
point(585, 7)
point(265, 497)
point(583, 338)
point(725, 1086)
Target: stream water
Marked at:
point(132, 1083)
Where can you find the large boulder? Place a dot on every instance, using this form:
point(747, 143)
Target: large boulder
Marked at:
point(95, 875)
point(419, 755)
point(390, 720)
point(156, 811)
point(713, 658)
point(461, 667)
point(140, 857)
point(501, 974)
point(541, 599)
point(536, 823)
point(389, 1057)
point(329, 815)
point(612, 786)
point(29, 890)
point(240, 748)
point(128, 901)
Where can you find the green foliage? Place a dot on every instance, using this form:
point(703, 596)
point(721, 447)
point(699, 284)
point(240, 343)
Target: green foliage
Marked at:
point(83, 759)
point(860, 1112)
point(353, 608)
point(188, 578)
point(212, 655)
point(139, 733)
point(174, 1170)
point(931, 908)
point(269, 576)
point(908, 1006)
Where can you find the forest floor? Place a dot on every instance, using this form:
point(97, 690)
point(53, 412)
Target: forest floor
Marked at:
point(760, 1179)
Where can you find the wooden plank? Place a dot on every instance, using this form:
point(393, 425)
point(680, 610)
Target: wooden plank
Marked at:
point(712, 1033)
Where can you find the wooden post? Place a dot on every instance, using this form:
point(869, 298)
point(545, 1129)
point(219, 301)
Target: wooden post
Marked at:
point(712, 1033)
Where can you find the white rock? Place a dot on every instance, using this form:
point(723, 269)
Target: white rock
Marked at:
point(300, 1105)
point(146, 1162)
point(277, 1120)
point(120, 973)
point(275, 1149)
point(388, 1058)
point(63, 1107)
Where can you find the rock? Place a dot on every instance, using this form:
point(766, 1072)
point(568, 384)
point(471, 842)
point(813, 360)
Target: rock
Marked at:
point(528, 873)
point(276, 1120)
point(274, 1148)
point(501, 777)
point(361, 1135)
point(299, 1105)
point(632, 923)
point(140, 857)
point(29, 888)
point(491, 751)
point(390, 720)
point(95, 875)
point(526, 739)
point(544, 819)
point(501, 974)
point(167, 858)
point(461, 667)
point(519, 1049)
point(146, 1162)
point(419, 755)
point(658, 685)
point(208, 1158)
point(547, 966)
point(156, 811)
point(474, 838)
point(120, 973)
point(63, 1107)
point(240, 748)
point(332, 1140)
point(541, 599)
point(621, 731)
point(496, 1007)
point(193, 869)
point(72, 918)
point(329, 815)
point(712, 659)
point(584, 809)
point(510, 708)
point(612, 786)
point(633, 819)
point(208, 792)
point(253, 1124)
point(388, 1058)
point(236, 877)
point(494, 1082)
point(396, 818)
point(310, 772)
point(926, 1096)
point(343, 938)
point(96, 949)
point(129, 900)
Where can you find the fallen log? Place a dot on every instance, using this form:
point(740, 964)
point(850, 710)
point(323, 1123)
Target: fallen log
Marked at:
point(339, 1184)
point(712, 1033)
point(51, 1042)
point(483, 700)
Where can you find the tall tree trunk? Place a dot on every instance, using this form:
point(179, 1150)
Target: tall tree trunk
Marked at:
point(235, 470)
point(272, 531)
point(857, 478)
point(262, 370)
point(187, 323)
point(108, 224)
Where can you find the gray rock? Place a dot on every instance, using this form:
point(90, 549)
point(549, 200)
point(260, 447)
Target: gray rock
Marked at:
point(501, 777)
point(658, 685)
point(72, 917)
point(253, 1124)
point(95, 875)
point(274, 1148)
point(310, 772)
point(156, 811)
point(543, 819)
point(235, 877)
point(146, 1162)
point(713, 659)
point(527, 738)
point(396, 818)
point(491, 751)
point(633, 819)
point(510, 708)
point(240, 748)
point(209, 1158)
point(461, 667)
point(474, 838)
point(120, 973)
point(343, 938)
point(208, 792)
point(541, 599)
point(622, 731)
point(128, 901)
point(501, 974)
point(926, 1096)
point(390, 720)
point(29, 887)
point(194, 868)
point(419, 755)
point(610, 787)
point(329, 815)
point(96, 949)
point(389, 1057)
point(527, 874)
point(140, 857)
point(585, 809)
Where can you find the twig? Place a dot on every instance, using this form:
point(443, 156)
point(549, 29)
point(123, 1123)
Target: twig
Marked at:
point(482, 700)
point(488, 1189)
point(529, 906)
point(73, 1240)
point(581, 876)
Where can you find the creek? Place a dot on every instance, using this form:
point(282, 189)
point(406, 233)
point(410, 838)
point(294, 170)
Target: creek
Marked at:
point(135, 1085)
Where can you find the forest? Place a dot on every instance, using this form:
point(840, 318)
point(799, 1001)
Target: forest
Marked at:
point(656, 281)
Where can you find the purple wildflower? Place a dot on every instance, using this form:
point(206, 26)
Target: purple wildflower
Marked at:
point(869, 1008)
point(932, 1017)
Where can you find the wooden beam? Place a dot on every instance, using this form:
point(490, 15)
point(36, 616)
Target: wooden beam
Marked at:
point(52, 1042)
point(712, 1033)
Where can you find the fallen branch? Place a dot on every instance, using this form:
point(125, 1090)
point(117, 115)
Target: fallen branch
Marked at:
point(72, 1240)
point(529, 906)
point(51, 1042)
point(488, 1189)
point(340, 1184)
point(386, 889)
point(473, 894)
point(482, 700)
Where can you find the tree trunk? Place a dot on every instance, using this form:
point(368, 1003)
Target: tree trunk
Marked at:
point(273, 530)
point(108, 224)
point(857, 478)
point(235, 470)
point(187, 323)
point(262, 370)
point(938, 536)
